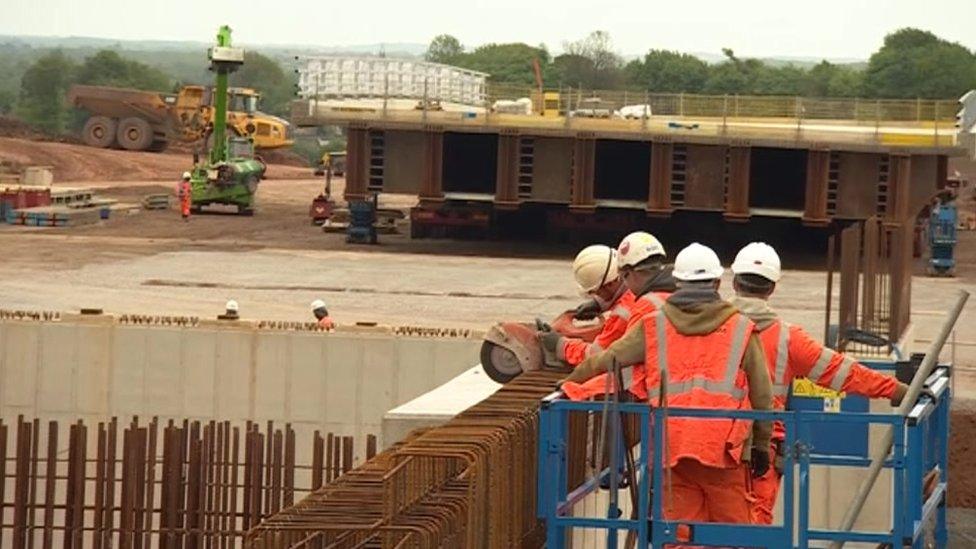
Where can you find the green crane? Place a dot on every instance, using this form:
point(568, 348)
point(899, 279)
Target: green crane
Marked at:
point(230, 175)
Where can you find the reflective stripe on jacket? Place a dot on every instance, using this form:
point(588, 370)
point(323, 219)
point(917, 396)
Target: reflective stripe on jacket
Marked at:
point(792, 353)
point(703, 371)
point(636, 309)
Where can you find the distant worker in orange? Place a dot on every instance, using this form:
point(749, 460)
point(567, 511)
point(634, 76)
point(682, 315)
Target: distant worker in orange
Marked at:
point(185, 193)
point(791, 353)
point(322, 315)
point(712, 359)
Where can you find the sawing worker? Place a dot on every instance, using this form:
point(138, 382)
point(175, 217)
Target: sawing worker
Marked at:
point(640, 260)
point(713, 359)
point(322, 315)
point(790, 353)
point(596, 275)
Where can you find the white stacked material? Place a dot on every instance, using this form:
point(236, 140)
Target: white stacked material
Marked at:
point(342, 77)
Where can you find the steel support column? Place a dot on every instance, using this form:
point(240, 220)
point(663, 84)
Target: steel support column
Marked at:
point(584, 162)
point(432, 185)
point(737, 186)
point(506, 180)
point(659, 190)
point(357, 163)
point(899, 182)
point(815, 203)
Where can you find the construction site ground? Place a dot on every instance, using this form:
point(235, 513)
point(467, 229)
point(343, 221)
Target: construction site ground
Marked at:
point(276, 262)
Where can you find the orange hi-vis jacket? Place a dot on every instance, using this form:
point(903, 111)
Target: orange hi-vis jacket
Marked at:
point(630, 310)
point(791, 353)
point(703, 371)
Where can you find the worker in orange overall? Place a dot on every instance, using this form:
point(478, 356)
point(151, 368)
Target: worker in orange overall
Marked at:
point(185, 193)
point(713, 359)
point(790, 353)
point(640, 261)
point(322, 315)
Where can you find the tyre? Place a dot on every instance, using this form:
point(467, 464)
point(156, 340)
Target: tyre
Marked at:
point(135, 134)
point(99, 131)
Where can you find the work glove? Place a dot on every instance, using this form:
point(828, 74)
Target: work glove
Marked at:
point(900, 391)
point(759, 462)
point(587, 310)
point(550, 341)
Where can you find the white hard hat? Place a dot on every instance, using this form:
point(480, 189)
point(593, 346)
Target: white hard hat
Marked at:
point(637, 247)
point(232, 306)
point(318, 304)
point(697, 262)
point(186, 175)
point(758, 258)
point(595, 266)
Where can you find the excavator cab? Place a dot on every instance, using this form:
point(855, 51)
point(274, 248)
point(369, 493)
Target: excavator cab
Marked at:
point(243, 100)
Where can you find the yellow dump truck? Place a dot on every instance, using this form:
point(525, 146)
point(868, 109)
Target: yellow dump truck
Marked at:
point(139, 120)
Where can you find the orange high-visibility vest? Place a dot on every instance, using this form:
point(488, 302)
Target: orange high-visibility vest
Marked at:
point(791, 353)
point(703, 371)
point(634, 311)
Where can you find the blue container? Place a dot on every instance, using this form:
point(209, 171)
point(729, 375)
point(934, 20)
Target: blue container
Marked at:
point(104, 212)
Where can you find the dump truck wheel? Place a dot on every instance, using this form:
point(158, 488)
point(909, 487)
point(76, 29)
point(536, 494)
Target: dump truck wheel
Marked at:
point(135, 134)
point(99, 131)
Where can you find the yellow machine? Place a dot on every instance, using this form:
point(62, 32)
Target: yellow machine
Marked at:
point(143, 120)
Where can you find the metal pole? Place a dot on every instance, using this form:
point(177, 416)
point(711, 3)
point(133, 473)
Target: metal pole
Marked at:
point(647, 107)
point(907, 403)
point(386, 91)
point(725, 113)
point(425, 101)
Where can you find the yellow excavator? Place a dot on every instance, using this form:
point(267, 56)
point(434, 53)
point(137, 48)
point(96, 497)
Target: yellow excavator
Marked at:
point(140, 120)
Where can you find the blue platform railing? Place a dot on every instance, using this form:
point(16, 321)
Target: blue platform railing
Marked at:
point(920, 446)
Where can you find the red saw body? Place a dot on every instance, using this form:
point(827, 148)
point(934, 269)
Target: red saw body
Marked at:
point(511, 348)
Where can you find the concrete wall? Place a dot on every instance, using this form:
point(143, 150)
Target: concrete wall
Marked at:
point(343, 382)
point(403, 162)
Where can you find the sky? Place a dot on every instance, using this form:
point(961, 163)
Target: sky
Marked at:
point(836, 29)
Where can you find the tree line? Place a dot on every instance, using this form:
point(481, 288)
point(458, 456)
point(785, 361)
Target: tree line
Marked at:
point(41, 102)
point(911, 63)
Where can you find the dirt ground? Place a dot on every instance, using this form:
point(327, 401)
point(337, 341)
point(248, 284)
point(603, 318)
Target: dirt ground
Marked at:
point(276, 262)
point(72, 162)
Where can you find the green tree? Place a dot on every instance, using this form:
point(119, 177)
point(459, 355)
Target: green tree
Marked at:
point(916, 63)
point(8, 99)
point(829, 80)
point(108, 68)
point(266, 76)
point(668, 72)
point(603, 68)
point(42, 91)
point(506, 63)
point(444, 48)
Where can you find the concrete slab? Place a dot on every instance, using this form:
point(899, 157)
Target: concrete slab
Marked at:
point(439, 405)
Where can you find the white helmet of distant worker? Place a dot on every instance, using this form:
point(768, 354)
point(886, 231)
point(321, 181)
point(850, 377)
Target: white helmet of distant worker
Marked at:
point(758, 258)
point(637, 247)
point(231, 306)
point(594, 267)
point(317, 304)
point(697, 263)
point(186, 175)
